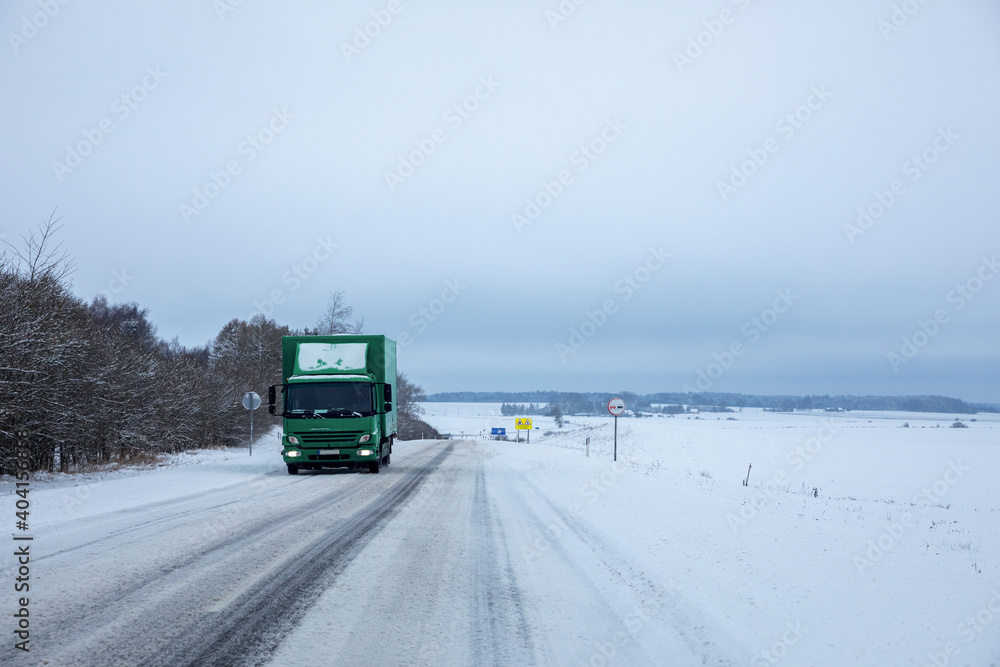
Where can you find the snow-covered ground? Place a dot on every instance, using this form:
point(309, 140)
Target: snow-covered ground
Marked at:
point(856, 542)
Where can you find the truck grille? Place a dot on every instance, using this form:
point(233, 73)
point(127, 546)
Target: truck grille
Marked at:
point(324, 437)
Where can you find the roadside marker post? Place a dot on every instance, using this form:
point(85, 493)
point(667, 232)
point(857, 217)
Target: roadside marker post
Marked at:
point(616, 406)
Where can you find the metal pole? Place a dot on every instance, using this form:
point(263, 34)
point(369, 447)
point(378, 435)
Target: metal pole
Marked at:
point(251, 429)
point(616, 437)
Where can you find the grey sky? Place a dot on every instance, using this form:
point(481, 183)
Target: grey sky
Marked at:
point(199, 81)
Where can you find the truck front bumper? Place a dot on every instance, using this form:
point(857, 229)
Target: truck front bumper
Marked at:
point(342, 457)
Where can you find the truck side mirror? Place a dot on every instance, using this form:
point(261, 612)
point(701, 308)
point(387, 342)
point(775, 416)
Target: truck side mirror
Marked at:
point(387, 393)
point(271, 400)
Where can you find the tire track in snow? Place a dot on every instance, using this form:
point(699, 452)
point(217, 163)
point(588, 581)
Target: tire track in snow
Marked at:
point(253, 625)
point(161, 621)
point(110, 517)
point(688, 622)
point(86, 615)
point(592, 613)
point(500, 633)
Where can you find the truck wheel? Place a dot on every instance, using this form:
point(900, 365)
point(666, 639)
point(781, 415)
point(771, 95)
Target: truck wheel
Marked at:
point(293, 469)
point(376, 465)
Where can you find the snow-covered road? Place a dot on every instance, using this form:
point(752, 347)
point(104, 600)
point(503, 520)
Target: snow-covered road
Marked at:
point(461, 576)
point(411, 566)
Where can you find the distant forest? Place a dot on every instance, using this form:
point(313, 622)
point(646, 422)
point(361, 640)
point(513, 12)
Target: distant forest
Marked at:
point(537, 402)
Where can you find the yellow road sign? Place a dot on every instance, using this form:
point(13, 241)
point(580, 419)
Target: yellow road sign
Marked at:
point(523, 423)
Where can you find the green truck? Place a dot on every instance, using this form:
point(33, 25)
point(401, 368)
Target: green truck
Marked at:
point(337, 408)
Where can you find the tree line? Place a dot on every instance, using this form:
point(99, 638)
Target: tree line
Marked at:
point(91, 383)
point(589, 403)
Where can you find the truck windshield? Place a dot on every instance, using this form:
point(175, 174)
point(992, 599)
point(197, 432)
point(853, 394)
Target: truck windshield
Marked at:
point(328, 399)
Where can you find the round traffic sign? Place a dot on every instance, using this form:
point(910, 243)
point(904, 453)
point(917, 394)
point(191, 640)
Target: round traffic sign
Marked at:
point(616, 406)
point(251, 400)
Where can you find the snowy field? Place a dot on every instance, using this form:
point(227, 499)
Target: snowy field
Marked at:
point(856, 542)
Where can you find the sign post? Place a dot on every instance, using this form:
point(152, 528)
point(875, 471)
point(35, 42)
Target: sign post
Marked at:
point(616, 406)
point(251, 401)
point(523, 424)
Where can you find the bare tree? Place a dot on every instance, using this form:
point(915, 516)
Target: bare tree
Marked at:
point(557, 413)
point(408, 410)
point(39, 257)
point(408, 396)
point(336, 317)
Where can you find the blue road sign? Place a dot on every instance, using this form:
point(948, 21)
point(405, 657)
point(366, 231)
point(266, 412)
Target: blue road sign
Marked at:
point(498, 431)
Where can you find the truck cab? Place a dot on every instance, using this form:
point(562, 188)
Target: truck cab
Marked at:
point(337, 402)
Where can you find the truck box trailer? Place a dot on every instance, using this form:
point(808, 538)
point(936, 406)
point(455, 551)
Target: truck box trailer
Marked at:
point(337, 401)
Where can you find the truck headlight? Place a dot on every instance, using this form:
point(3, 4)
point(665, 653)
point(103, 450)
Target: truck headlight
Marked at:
point(365, 438)
point(292, 439)
point(365, 452)
point(293, 454)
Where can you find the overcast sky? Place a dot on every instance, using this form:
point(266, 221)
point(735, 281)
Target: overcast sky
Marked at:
point(694, 166)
